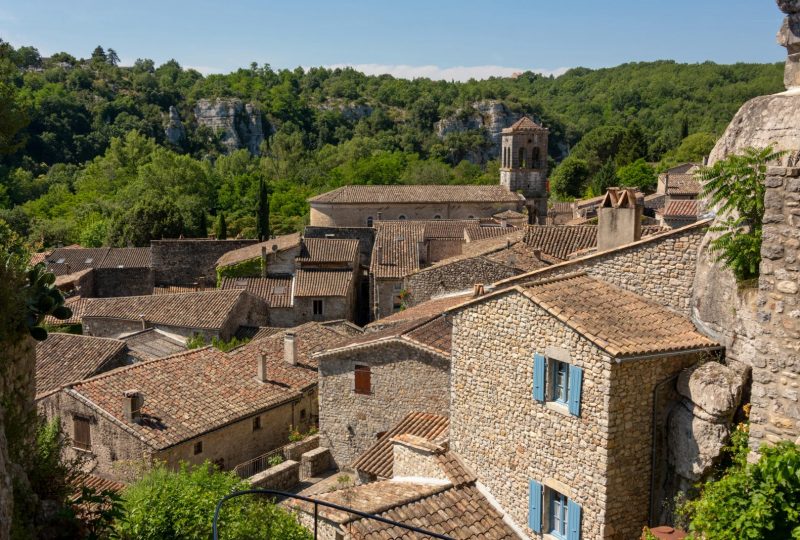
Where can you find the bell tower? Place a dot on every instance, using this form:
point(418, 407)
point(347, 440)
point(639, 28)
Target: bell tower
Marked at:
point(523, 165)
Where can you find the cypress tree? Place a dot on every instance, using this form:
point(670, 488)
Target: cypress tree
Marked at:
point(203, 226)
point(222, 227)
point(262, 213)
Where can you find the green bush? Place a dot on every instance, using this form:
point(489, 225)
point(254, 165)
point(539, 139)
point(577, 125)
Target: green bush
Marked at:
point(180, 504)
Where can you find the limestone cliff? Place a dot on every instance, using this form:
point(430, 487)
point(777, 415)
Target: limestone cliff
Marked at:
point(490, 115)
point(241, 124)
point(173, 128)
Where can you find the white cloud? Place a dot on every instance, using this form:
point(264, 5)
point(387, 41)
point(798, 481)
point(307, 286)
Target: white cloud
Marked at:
point(457, 73)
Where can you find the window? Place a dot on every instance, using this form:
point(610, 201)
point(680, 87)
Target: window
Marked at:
point(551, 511)
point(437, 216)
point(363, 380)
point(302, 414)
point(256, 423)
point(81, 433)
point(317, 306)
point(565, 381)
point(558, 514)
point(401, 217)
point(535, 159)
point(198, 447)
point(521, 163)
point(369, 221)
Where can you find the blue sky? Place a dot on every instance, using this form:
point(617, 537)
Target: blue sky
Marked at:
point(436, 38)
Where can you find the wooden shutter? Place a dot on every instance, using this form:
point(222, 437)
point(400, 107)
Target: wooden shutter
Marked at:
point(575, 382)
point(535, 506)
point(363, 383)
point(538, 377)
point(82, 436)
point(573, 520)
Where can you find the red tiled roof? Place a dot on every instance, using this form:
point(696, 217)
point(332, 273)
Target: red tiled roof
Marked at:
point(426, 310)
point(175, 289)
point(379, 459)
point(314, 282)
point(328, 250)
point(253, 251)
point(475, 233)
point(523, 124)
point(687, 208)
point(682, 184)
point(76, 304)
point(396, 250)
point(65, 358)
point(559, 241)
point(276, 291)
point(153, 343)
point(386, 194)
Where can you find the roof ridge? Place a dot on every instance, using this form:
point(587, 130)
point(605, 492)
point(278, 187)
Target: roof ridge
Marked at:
point(84, 336)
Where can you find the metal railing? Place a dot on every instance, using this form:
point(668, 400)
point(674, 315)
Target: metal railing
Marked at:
point(258, 464)
point(317, 503)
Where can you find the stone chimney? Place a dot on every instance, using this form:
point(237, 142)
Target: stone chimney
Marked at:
point(789, 37)
point(416, 457)
point(201, 283)
point(132, 403)
point(290, 348)
point(143, 321)
point(478, 290)
point(380, 216)
point(503, 223)
point(262, 368)
point(619, 219)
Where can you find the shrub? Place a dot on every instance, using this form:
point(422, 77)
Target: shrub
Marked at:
point(277, 459)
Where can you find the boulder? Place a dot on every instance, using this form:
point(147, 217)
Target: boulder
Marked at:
point(694, 443)
point(714, 388)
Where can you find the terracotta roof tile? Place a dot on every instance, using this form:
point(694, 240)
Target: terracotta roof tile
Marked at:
point(386, 194)
point(76, 304)
point(436, 334)
point(686, 208)
point(65, 358)
point(191, 393)
point(175, 289)
point(276, 291)
point(153, 343)
point(446, 228)
point(379, 459)
point(328, 250)
point(314, 282)
point(559, 241)
point(519, 256)
point(99, 484)
point(253, 251)
point(396, 250)
point(210, 309)
point(523, 124)
point(426, 310)
point(476, 233)
point(618, 321)
point(682, 184)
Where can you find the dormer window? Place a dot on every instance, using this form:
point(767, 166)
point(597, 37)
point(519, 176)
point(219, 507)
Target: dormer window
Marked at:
point(60, 261)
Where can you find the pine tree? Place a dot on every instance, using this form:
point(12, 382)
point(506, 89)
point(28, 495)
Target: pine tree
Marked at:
point(222, 227)
point(99, 55)
point(262, 213)
point(112, 57)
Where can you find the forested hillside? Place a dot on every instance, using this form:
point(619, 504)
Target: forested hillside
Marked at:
point(84, 156)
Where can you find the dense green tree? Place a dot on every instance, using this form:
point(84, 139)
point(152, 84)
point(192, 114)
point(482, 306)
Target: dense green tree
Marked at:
point(692, 149)
point(112, 57)
point(262, 212)
point(222, 227)
point(150, 219)
point(569, 179)
point(12, 120)
point(638, 174)
point(99, 55)
point(603, 179)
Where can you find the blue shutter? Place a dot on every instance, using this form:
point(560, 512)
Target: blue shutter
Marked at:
point(535, 506)
point(573, 520)
point(575, 382)
point(538, 377)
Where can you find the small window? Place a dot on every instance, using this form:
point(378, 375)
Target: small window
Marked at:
point(302, 414)
point(401, 217)
point(560, 377)
point(558, 514)
point(369, 221)
point(198, 447)
point(437, 216)
point(363, 376)
point(81, 435)
point(256, 423)
point(317, 307)
point(470, 217)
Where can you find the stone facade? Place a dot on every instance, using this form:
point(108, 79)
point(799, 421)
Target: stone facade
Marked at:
point(110, 282)
point(600, 459)
point(775, 413)
point(404, 379)
point(180, 262)
point(281, 477)
point(523, 161)
point(385, 296)
point(459, 275)
point(359, 214)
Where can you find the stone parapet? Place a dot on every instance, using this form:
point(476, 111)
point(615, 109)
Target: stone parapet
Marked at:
point(281, 477)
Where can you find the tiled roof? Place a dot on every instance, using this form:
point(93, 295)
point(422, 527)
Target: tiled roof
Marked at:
point(683, 168)
point(523, 124)
point(99, 484)
point(39, 257)
point(618, 321)
point(560, 207)
point(559, 241)
point(519, 256)
point(446, 228)
point(379, 459)
point(69, 279)
point(175, 289)
point(69, 260)
point(387, 194)
point(686, 208)
point(328, 250)
point(476, 233)
point(127, 258)
point(426, 310)
point(153, 343)
point(76, 304)
point(682, 184)
point(396, 250)
point(655, 201)
point(437, 334)
point(433, 332)
point(66, 358)
point(210, 309)
point(253, 251)
point(510, 214)
point(188, 394)
point(265, 332)
point(322, 282)
point(276, 291)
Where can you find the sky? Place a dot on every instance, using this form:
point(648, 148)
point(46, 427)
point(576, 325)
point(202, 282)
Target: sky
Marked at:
point(440, 39)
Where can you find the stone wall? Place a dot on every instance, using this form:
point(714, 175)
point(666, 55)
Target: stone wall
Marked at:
point(295, 450)
point(775, 413)
point(315, 461)
point(452, 277)
point(364, 235)
point(404, 379)
point(281, 477)
point(600, 459)
point(382, 293)
point(355, 215)
point(122, 282)
point(333, 308)
point(180, 262)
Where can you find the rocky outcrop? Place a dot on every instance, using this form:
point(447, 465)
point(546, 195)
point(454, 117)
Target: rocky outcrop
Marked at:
point(349, 111)
point(173, 129)
point(491, 115)
point(240, 123)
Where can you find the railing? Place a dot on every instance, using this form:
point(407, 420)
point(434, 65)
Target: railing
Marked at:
point(257, 464)
point(317, 503)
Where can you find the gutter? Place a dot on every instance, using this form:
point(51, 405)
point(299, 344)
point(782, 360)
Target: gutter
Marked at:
point(710, 348)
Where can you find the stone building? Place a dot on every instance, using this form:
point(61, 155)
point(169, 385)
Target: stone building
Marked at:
point(191, 260)
point(370, 382)
point(101, 272)
point(552, 400)
point(195, 406)
point(363, 205)
point(523, 166)
point(274, 257)
point(211, 313)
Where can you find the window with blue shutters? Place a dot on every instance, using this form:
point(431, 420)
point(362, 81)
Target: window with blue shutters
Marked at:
point(574, 390)
point(538, 377)
point(573, 520)
point(557, 381)
point(535, 506)
point(560, 382)
point(562, 516)
point(558, 514)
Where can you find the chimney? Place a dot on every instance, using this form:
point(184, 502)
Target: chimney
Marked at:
point(262, 367)
point(478, 290)
point(619, 219)
point(537, 253)
point(289, 348)
point(201, 282)
point(380, 216)
point(144, 322)
point(263, 261)
point(132, 402)
point(503, 222)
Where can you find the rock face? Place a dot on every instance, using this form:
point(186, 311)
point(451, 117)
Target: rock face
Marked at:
point(173, 129)
point(715, 389)
point(789, 37)
point(240, 123)
point(491, 115)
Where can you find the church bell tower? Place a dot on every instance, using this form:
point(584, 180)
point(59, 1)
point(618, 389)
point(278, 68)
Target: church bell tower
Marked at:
point(523, 165)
